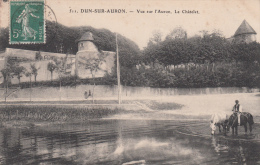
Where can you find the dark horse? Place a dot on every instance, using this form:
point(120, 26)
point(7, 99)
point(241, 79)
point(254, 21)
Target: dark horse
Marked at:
point(245, 118)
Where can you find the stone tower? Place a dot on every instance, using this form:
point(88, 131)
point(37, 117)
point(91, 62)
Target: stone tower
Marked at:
point(245, 33)
point(85, 43)
point(86, 49)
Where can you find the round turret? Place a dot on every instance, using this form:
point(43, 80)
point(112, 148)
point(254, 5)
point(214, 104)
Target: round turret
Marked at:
point(85, 43)
point(245, 33)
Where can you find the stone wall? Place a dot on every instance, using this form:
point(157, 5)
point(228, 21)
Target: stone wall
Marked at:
point(105, 91)
point(44, 74)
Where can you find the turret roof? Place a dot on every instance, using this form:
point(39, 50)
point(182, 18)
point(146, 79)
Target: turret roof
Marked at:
point(87, 36)
point(244, 28)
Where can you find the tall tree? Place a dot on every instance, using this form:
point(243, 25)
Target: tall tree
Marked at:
point(51, 67)
point(7, 72)
point(18, 72)
point(177, 33)
point(156, 38)
point(29, 74)
point(61, 68)
point(34, 71)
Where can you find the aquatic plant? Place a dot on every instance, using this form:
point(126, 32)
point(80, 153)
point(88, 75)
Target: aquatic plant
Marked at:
point(53, 113)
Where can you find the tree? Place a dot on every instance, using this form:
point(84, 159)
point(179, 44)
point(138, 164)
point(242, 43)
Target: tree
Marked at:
point(177, 33)
point(29, 74)
point(57, 33)
point(4, 33)
point(156, 38)
point(204, 33)
point(18, 72)
point(60, 67)
point(7, 72)
point(34, 71)
point(93, 64)
point(51, 67)
point(38, 56)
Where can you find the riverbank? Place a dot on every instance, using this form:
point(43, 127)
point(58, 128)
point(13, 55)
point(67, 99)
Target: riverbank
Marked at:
point(184, 107)
point(29, 113)
point(53, 113)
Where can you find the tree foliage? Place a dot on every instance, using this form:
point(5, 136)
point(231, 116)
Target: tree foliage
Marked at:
point(12, 69)
point(208, 60)
point(209, 48)
point(51, 67)
point(156, 38)
point(38, 56)
point(34, 70)
point(19, 71)
point(61, 67)
point(177, 33)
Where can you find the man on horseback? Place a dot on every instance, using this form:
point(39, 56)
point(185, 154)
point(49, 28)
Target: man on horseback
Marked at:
point(237, 110)
point(239, 118)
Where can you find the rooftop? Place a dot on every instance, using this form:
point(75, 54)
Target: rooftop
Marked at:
point(87, 36)
point(244, 28)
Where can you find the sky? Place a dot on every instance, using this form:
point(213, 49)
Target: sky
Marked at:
point(223, 15)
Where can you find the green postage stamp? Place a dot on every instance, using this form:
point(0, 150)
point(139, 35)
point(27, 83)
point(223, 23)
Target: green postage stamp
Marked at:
point(27, 22)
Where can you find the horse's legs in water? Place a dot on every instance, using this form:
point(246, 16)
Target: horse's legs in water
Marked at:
point(245, 126)
point(250, 127)
point(232, 130)
point(224, 129)
point(219, 128)
point(236, 129)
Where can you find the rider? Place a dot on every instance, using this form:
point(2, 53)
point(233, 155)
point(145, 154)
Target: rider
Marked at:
point(237, 109)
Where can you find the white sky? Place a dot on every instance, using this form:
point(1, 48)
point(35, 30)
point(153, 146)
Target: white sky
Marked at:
point(225, 15)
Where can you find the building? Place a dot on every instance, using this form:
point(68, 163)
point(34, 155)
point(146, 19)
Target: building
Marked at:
point(244, 34)
point(87, 52)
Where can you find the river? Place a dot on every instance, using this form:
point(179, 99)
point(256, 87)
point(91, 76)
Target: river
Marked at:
point(110, 141)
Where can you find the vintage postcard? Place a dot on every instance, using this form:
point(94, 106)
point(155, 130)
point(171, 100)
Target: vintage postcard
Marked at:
point(129, 82)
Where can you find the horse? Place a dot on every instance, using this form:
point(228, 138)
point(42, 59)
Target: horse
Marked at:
point(245, 118)
point(219, 119)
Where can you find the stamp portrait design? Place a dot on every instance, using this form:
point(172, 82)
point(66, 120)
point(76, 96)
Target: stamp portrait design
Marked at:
point(27, 22)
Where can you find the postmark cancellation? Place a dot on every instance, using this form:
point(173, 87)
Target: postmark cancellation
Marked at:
point(27, 22)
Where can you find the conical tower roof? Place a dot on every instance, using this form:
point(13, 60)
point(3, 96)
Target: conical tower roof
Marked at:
point(87, 36)
point(244, 28)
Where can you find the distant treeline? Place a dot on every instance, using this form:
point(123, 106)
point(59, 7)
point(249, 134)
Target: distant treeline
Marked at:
point(208, 60)
point(204, 75)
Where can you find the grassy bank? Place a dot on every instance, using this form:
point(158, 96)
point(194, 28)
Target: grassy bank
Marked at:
point(30, 113)
point(39, 113)
point(89, 101)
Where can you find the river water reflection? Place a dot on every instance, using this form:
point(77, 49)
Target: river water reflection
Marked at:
point(124, 141)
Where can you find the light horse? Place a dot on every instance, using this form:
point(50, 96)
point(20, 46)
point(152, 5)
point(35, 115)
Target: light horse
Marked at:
point(219, 119)
point(245, 118)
